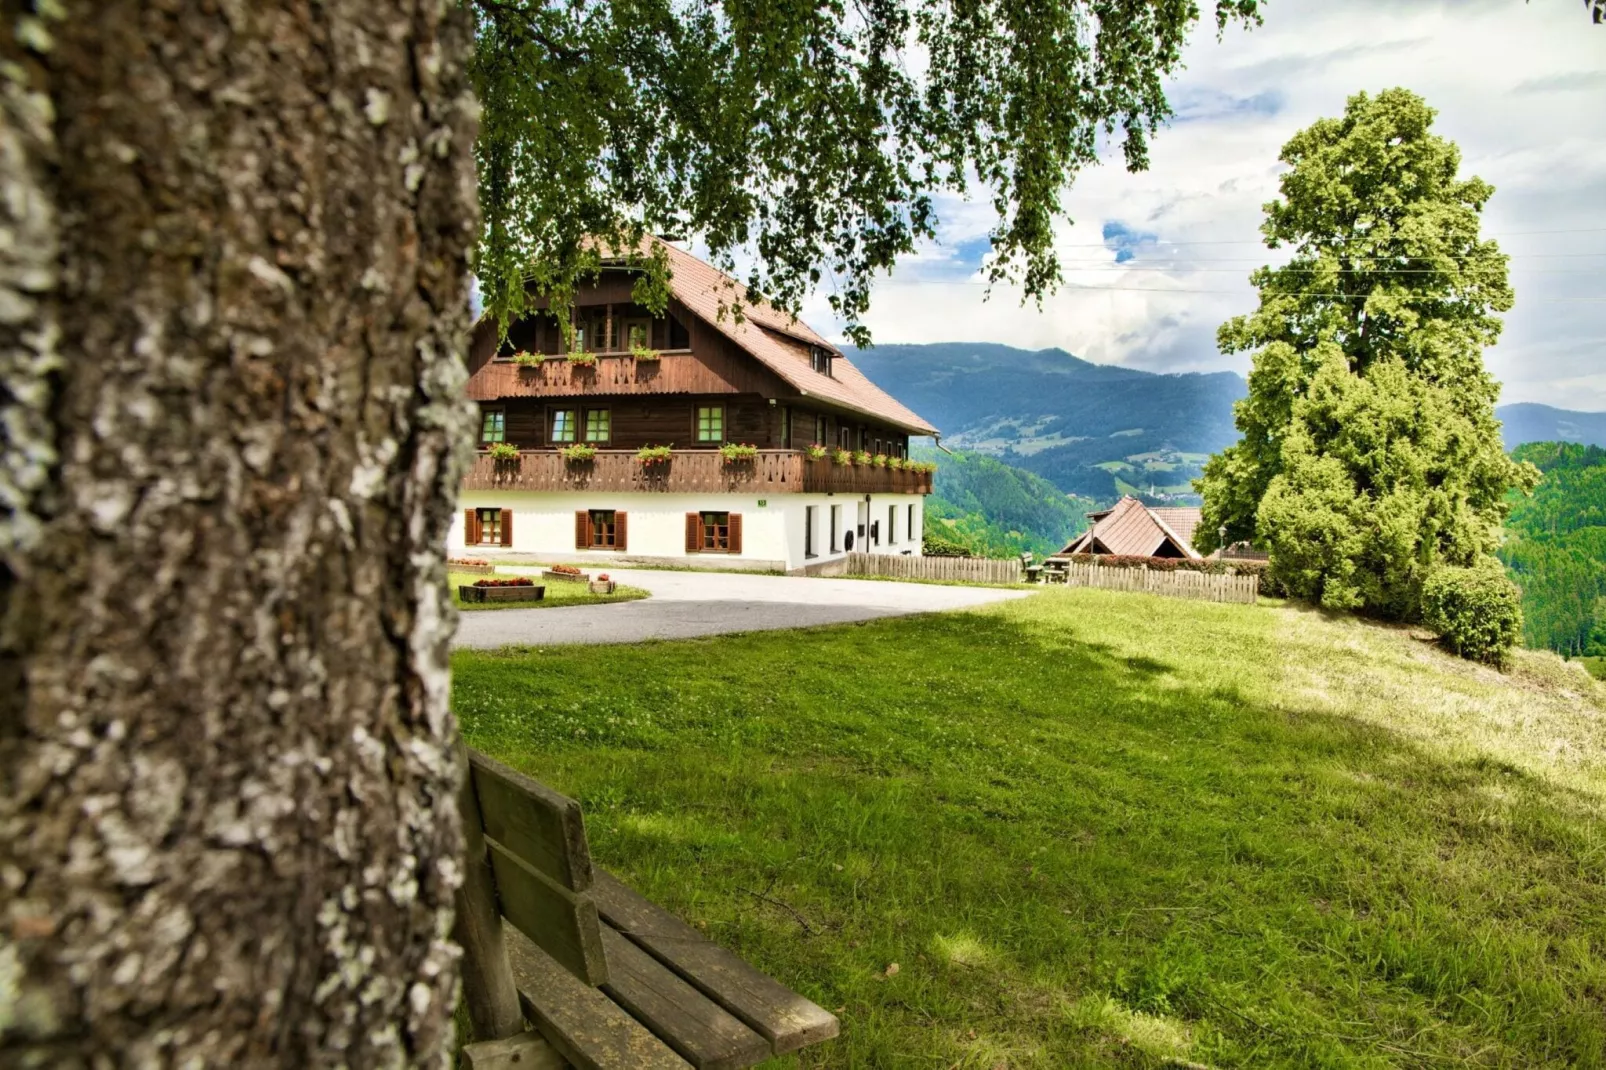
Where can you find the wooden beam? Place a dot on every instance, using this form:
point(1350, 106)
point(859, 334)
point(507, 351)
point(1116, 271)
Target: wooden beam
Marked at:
point(582, 1023)
point(526, 1051)
point(489, 994)
point(702, 1031)
point(564, 923)
point(540, 826)
point(769, 1008)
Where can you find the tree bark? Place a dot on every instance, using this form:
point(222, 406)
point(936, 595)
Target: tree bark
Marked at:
point(233, 302)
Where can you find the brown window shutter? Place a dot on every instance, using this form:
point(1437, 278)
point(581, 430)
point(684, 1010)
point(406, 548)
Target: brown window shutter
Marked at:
point(621, 534)
point(582, 531)
point(736, 533)
point(471, 525)
point(507, 527)
point(694, 533)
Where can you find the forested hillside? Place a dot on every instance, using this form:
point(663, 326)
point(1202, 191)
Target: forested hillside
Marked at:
point(995, 510)
point(1556, 548)
point(1526, 422)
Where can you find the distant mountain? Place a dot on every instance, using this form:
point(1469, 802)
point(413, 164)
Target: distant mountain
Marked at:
point(1092, 429)
point(995, 510)
point(1526, 422)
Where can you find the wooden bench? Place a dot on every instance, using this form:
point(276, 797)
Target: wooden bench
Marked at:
point(608, 980)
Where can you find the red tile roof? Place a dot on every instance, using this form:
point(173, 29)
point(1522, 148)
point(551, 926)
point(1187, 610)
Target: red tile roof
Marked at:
point(1132, 529)
point(781, 343)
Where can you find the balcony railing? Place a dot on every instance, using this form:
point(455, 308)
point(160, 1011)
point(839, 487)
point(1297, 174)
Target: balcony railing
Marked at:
point(771, 472)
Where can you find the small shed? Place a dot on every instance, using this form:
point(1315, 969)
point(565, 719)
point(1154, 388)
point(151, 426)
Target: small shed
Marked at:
point(1132, 529)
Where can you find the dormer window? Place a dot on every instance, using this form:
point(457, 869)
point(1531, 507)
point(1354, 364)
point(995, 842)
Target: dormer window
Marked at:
point(820, 360)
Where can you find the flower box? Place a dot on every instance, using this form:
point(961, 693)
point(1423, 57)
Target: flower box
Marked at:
point(523, 593)
point(603, 586)
point(582, 359)
point(474, 568)
point(567, 577)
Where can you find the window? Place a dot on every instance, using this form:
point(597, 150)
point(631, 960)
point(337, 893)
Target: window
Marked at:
point(786, 427)
point(599, 425)
point(493, 427)
point(911, 523)
point(864, 438)
point(716, 531)
point(892, 524)
point(875, 447)
point(604, 528)
point(808, 531)
point(579, 339)
point(845, 436)
point(819, 430)
point(710, 423)
point(638, 334)
point(836, 527)
point(820, 360)
point(490, 525)
point(563, 425)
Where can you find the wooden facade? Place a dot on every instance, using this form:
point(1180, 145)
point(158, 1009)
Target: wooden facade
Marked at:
point(702, 390)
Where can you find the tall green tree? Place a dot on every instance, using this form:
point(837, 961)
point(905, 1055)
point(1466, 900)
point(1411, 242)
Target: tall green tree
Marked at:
point(800, 130)
point(1370, 450)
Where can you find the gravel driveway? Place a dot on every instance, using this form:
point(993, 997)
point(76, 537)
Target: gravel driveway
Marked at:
point(687, 604)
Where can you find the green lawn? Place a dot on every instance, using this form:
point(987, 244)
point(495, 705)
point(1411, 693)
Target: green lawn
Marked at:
point(558, 593)
point(1098, 829)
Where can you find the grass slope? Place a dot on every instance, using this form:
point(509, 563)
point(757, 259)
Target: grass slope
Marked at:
point(1096, 829)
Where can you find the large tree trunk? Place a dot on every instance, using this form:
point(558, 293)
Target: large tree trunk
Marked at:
point(233, 239)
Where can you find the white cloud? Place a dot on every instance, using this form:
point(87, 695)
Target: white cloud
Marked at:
point(1516, 85)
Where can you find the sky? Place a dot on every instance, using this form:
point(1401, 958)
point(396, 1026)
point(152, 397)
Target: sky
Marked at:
point(1519, 86)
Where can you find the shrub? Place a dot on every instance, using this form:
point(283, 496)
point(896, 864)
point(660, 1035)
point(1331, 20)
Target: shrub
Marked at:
point(1477, 611)
point(578, 453)
point(503, 451)
point(938, 546)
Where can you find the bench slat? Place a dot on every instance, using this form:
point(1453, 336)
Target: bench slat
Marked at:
point(695, 1026)
point(542, 827)
point(562, 922)
point(522, 1051)
point(588, 1028)
point(769, 1008)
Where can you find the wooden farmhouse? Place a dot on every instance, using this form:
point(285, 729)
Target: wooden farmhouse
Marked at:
point(691, 380)
point(1132, 529)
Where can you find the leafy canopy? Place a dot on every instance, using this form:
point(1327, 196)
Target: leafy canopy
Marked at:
point(1370, 452)
point(812, 133)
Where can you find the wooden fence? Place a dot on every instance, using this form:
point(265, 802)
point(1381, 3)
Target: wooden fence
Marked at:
point(968, 569)
point(1179, 584)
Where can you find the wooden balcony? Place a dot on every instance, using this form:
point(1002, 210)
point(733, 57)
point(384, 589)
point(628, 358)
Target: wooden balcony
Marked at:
point(689, 471)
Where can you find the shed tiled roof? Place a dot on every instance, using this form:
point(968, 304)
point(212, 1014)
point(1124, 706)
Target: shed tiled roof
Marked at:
point(780, 342)
point(1181, 519)
point(1133, 529)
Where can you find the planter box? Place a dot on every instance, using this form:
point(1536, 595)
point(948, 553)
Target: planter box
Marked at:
point(603, 586)
point(566, 577)
point(472, 570)
point(470, 593)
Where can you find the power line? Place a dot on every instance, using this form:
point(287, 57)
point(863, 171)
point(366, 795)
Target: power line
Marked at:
point(1358, 238)
point(1356, 259)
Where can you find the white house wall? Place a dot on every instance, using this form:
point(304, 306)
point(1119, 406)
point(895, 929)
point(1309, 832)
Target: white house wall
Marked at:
point(772, 528)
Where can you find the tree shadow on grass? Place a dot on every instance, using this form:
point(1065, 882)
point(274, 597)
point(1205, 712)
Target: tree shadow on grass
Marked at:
point(1293, 886)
